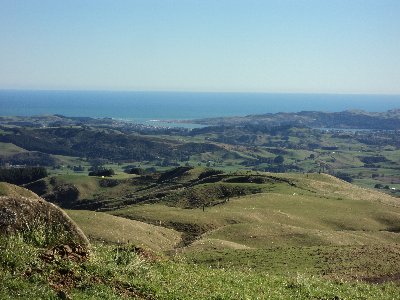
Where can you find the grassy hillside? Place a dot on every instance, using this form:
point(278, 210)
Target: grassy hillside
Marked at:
point(100, 226)
point(314, 210)
point(8, 149)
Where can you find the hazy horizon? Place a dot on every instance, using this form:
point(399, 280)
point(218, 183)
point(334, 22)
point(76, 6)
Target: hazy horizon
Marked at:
point(194, 92)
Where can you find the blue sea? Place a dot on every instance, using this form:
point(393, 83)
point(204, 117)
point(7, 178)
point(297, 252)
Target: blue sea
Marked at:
point(145, 107)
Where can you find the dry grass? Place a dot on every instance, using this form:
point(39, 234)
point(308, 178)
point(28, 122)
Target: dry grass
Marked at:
point(112, 229)
point(318, 210)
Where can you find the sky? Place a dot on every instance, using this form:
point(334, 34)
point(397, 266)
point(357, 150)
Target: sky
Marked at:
point(289, 46)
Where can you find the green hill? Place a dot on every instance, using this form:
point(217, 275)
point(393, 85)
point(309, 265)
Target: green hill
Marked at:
point(103, 227)
point(296, 211)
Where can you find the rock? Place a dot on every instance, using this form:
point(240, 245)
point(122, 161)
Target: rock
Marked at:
point(19, 214)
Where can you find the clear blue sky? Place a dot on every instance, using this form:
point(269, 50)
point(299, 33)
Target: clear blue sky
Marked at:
point(332, 46)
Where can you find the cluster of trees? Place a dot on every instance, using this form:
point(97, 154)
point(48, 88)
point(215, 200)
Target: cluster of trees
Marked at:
point(22, 175)
point(344, 176)
point(64, 195)
point(373, 159)
point(381, 186)
point(79, 168)
point(137, 170)
point(102, 172)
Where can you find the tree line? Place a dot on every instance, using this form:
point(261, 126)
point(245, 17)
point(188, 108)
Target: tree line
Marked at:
point(22, 175)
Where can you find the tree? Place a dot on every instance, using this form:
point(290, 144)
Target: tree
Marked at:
point(78, 168)
point(279, 160)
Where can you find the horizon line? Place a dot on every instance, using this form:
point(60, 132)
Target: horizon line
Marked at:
point(194, 91)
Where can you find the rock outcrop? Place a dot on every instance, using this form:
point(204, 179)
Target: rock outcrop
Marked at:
point(35, 216)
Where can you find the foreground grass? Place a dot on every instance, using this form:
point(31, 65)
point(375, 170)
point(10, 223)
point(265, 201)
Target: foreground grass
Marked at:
point(118, 272)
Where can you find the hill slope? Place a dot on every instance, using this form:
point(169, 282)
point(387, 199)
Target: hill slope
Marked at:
point(104, 227)
point(311, 210)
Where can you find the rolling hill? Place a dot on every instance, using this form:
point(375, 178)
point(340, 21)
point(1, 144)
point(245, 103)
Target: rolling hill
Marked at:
point(224, 236)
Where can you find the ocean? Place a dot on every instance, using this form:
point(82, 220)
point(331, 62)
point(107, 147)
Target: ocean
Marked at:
point(145, 107)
